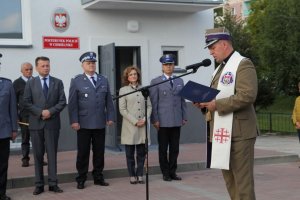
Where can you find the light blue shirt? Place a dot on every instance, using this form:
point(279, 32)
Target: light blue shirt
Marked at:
point(95, 78)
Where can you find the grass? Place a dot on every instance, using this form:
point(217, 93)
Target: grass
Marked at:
point(282, 104)
point(277, 117)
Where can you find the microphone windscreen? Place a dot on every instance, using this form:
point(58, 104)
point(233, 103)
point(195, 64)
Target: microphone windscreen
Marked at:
point(206, 62)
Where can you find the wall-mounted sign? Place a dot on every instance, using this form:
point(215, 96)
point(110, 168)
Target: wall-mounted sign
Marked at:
point(60, 20)
point(53, 42)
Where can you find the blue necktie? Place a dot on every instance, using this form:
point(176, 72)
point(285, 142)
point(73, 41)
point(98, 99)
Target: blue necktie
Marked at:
point(94, 81)
point(171, 82)
point(45, 87)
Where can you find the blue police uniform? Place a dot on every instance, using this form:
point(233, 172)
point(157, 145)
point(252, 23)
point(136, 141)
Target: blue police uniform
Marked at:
point(169, 110)
point(8, 125)
point(91, 106)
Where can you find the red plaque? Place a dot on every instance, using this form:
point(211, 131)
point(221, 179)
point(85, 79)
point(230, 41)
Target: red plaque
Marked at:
point(53, 42)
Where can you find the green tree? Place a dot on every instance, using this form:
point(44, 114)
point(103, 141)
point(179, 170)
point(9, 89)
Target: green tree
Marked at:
point(275, 29)
point(241, 39)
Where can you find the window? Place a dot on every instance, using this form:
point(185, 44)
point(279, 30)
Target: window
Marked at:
point(15, 23)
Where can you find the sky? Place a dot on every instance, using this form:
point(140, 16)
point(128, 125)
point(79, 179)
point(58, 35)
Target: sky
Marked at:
point(10, 16)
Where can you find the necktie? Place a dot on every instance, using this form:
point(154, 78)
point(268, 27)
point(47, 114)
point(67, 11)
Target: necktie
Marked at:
point(94, 81)
point(45, 87)
point(171, 82)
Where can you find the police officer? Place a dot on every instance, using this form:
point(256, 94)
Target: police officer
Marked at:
point(8, 129)
point(168, 115)
point(90, 110)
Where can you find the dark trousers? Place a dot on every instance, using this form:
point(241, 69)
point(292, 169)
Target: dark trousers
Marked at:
point(298, 130)
point(86, 137)
point(4, 154)
point(239, 178)
point(135, 168)
point(168, 138)
point(25, 140)
point(41, 140)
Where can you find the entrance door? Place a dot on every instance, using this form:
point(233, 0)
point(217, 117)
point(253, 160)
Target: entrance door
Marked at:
point(107, 67)
point(113, 61)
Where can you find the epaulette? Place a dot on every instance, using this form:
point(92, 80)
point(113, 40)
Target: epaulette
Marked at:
point(6, 79)
point(101, 76)
point(78, 75)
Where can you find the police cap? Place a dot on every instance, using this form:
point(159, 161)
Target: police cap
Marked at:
point(88, 56)
point(167, 58)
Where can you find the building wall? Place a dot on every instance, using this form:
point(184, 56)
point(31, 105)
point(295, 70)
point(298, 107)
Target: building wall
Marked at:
point(100, 27)
point(96, 26)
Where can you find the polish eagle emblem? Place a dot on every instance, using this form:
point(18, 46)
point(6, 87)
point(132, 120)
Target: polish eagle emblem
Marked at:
point(60, 20)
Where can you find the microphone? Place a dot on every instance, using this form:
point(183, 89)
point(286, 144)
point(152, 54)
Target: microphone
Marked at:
point(204, 63)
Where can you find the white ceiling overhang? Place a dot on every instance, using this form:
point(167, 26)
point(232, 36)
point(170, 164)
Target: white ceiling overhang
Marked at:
point(167, 5)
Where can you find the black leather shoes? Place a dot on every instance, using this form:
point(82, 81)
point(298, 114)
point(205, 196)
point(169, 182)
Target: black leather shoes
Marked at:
point(101, 182)
point(55, 189)
point(167, 178)
point(80, 185)
point(175, 177)
point(38, 190)
point(4, 197)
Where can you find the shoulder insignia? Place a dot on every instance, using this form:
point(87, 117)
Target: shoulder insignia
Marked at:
point(77, 76)
point(5, 79)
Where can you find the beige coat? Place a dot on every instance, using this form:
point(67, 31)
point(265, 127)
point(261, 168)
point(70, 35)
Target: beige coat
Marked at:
point(132, 108)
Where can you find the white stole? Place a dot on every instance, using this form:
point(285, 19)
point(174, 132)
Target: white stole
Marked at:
point(222, 130)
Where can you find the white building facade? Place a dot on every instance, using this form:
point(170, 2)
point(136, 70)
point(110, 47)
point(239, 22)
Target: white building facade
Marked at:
point(136, 32)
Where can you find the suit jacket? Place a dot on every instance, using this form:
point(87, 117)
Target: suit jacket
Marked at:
point(132, 109)
point(241, 103)
point(35, 102)
point(8, 107)
point(90, 106)
point(167, 106)
point(19, 86)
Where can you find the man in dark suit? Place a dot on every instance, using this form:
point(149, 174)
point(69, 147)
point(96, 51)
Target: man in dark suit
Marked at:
point(8, 129)
point(19, 86)
point(168, 115)
point(44, 98)
point(90, 110)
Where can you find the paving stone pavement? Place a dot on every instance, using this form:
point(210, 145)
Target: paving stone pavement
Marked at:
point(273, 180)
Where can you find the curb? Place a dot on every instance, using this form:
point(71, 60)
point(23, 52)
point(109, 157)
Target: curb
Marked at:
point(22, 182)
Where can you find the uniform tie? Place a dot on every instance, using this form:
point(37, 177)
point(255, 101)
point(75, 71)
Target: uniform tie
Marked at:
point(171, 82)
point(94, 81)
point(45, 87)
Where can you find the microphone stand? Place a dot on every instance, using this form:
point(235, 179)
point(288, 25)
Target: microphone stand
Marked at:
point(145, 92)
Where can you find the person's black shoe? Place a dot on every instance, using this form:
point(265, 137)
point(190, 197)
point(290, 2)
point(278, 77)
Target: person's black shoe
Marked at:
point(175, 177)
point(38, 190)
point(80, 185)
point(4, 197)
point(25, 163)
point(167, 178)
point(55, 189)
point(101, 182)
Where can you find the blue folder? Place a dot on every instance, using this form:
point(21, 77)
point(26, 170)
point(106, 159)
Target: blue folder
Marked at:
point(198, 93)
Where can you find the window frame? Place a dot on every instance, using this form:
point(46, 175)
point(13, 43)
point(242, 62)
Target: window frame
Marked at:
point(26, 41)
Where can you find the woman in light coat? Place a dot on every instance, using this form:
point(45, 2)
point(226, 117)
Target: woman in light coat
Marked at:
point(132, 109)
